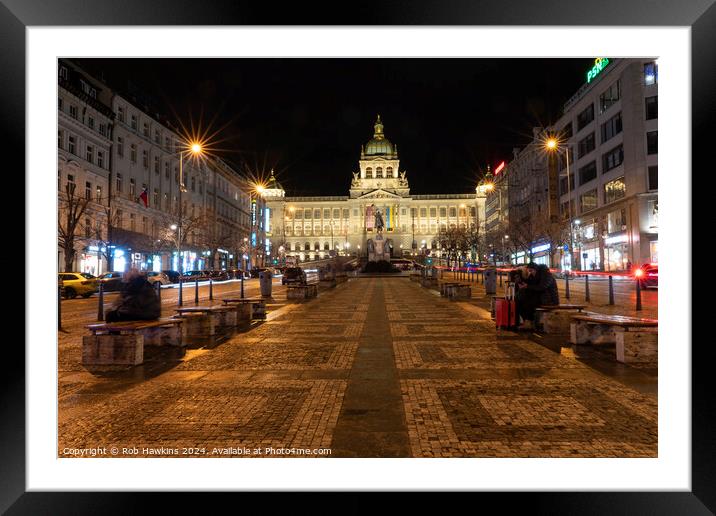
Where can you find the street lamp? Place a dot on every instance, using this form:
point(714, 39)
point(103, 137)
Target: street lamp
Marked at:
point(552, 145)
point(196, 149)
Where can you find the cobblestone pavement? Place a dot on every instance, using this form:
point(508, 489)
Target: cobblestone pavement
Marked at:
point(377, 367)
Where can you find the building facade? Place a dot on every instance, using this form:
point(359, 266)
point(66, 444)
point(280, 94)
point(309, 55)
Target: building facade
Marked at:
point(309, 228)
point(155, 204)
point(610, 127)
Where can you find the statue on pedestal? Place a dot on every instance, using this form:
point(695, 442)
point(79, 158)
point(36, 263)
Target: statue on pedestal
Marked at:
point(379, 224)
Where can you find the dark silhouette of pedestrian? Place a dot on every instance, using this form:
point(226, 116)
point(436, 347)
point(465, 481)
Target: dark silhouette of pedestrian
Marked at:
point(138, 300)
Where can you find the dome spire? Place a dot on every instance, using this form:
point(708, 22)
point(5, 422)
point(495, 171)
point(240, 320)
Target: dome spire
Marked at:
point(378, 135)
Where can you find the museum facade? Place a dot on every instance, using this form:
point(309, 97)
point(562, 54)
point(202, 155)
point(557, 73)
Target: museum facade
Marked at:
point(308, 228)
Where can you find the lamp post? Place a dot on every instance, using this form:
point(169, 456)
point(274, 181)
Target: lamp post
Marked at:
point(196, 149)
point(553, 145)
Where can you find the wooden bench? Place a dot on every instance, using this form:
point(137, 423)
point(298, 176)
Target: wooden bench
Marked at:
point(306, 291)
point(201, 321)
point(636, 339)
point(122, 343)
point(556, 318)
point(248, 307)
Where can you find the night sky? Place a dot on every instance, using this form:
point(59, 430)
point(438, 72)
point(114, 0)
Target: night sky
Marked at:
point(307, 118)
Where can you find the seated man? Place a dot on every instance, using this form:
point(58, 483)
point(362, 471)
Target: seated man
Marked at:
point(538, 289)
point(138, 300)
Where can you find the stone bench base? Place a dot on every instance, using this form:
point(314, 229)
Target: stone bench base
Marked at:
point(302, 292)
point(637, 346)
point(429, 283)
point(459, 292)
point(554, 321)
point(113, 349)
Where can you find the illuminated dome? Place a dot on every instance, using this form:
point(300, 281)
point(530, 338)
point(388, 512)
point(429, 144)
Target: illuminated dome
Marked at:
point(380, 145)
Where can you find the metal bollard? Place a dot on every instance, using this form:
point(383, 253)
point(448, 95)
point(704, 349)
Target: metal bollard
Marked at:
point(159, 291)
point(586, 287)
point(196, 291)
point(611, 290)
point(638, 295)
point(181, 289)
point(100, 303)
point(211, 290)
point(500, 275)
point(242, 286)
point(566, 286)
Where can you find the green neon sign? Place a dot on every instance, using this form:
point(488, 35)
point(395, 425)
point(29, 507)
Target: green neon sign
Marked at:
point(599, 64)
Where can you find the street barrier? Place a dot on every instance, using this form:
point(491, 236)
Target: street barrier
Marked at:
point(638, 295)
point(566, 286)
point(586, 287)
point(100, 303)
point(611, 290)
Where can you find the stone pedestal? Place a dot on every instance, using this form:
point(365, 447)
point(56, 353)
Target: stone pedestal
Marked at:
point(429, 282)
point(112, 349)
point(584, 333)
point(554, 321)
point(637, 346)
point(200, 325)
point(459, 292)
point(163, 336)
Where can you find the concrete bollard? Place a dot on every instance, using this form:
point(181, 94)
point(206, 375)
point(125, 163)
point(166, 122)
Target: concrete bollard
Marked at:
point(586, 287)
point(611, 290)
point(196, 291)
point(100, 303)
point(638, 295)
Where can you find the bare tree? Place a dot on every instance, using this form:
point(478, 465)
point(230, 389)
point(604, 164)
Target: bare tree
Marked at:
point(72, 210)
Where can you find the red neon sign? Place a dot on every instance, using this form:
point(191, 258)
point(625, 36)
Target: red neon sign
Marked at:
point(499, 168)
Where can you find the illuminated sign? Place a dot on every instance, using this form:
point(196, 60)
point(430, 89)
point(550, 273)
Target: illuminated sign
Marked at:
point(499, 168)
point(599, 64)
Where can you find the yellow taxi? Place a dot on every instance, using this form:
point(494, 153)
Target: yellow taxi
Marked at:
point(77, 284)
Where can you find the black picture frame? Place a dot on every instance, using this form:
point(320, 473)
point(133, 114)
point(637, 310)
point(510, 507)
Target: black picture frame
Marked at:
point(699, 15)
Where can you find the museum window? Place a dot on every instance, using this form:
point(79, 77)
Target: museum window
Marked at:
point(133, 153)
point(145, 159)
point(609, 97)
point(132, 188)
point(307, 214)
point(88, 190)
point(326, 213)
point(652, 142)
point(118, 183)
point(651, 107)
point(613, 158)
point(443, 213)
point(369, 173)
point(73, 111)
point(317, 213)
point(585, 117)
point(98, 193)
point(587, 201)
point(134, 122)
point(433, 212)
point(389, 172)
point(586, 145)
point(653, 178)
point(346, 213)
point(379, 173)
point(453, 212)
point(120, 146)
point(612, 127)
point(100, 159)
point(423, 212)
point(71, 144)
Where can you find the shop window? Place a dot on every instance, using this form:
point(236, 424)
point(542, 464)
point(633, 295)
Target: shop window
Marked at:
point(614, 190)
point(588, 201)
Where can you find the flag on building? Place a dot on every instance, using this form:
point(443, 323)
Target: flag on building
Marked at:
point(144, 198)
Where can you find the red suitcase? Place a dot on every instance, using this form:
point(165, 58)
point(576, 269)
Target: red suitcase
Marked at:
point(505, 313)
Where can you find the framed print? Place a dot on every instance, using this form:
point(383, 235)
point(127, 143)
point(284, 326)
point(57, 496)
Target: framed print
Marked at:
point(295, 242)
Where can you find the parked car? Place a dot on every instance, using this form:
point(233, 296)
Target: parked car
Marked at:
point(293, 275)
point(648, 275)
point(219, 275)
point(173, 276)
point(158, 277)
point(195, 275)
point(77, 284)
point(238, 273)
point(111, 281)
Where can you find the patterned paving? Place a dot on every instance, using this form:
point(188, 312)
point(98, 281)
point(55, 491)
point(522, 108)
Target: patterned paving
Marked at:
point(323, 373)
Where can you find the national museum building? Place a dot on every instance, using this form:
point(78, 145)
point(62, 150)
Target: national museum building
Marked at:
point(309, 227)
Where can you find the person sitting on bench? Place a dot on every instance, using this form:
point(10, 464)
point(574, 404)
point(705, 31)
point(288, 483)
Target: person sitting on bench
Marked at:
point(538, 289)
point(138, 300)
